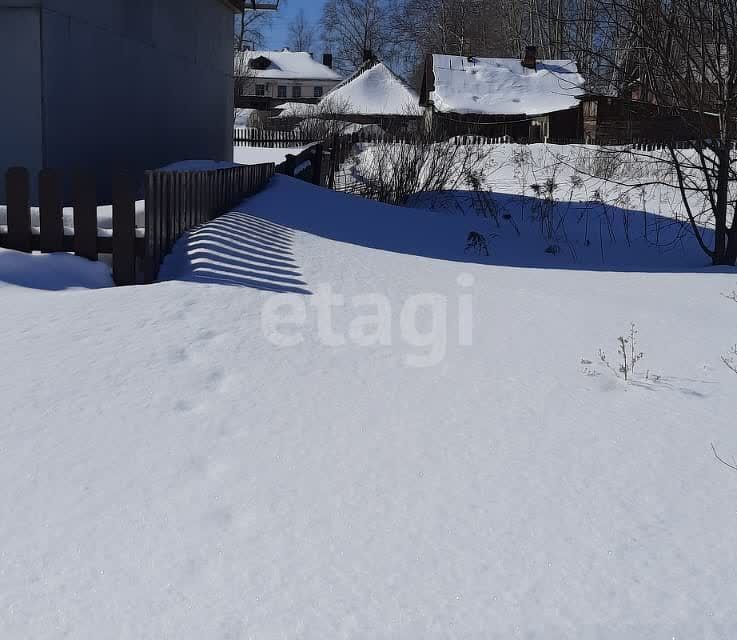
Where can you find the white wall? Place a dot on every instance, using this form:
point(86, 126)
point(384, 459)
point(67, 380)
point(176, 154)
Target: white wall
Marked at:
point(20, 91)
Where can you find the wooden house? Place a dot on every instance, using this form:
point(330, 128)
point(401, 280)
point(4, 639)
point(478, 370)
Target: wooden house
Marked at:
point(528, 100)
point(610, 120)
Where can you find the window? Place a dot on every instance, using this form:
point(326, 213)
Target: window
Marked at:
point(296, 92)
point(260, 89)
point(318, 92)
point(281, 91)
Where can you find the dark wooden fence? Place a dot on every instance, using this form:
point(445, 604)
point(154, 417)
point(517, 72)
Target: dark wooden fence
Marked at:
point(175, 201)
point(307, 165)
point(272, 138)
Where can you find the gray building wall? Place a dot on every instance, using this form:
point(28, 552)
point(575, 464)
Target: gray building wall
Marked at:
point(20, 90)
point(128, 85)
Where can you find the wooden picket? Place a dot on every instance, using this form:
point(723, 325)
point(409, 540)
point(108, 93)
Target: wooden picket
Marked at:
point(18, 209)
point(273, 138)
point(85, 216)
point(51, 220)
point(124, 231)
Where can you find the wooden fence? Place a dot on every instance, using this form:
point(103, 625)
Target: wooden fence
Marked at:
point(662, 146)
point(307, 165)
point(175, 201)
point(253, 137)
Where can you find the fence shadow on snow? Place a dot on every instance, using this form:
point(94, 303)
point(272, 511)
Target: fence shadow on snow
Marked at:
point(238, 249)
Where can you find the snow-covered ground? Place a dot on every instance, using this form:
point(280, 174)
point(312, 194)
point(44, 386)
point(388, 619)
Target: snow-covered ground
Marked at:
point(169, 471)
point(590, 177)
point(257, 155)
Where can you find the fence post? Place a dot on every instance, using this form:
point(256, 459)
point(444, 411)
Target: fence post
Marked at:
point(85, 216)
point(150, 263)
point(290, 165)
point(51, 215)
point(317, 166)
point(19, 212)
point(124, 231)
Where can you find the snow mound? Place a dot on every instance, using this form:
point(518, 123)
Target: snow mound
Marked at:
point(259, 155)
point(51, 272)
point(502, 86)
point(513, 239)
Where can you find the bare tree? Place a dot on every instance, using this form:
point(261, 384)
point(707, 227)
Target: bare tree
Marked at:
point(410, 163)
point(354, 27)
point(322, 121)
point(680, 55)
point(494, 28)
point(248, 29)
point(301, 33)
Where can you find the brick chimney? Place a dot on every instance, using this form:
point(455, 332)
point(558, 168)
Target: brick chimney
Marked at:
point(327, 60)
point(530, 59)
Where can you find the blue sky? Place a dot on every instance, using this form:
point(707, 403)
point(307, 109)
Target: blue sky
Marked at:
point(277, 37)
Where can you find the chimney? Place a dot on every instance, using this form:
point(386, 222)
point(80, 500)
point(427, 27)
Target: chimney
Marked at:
point(327, 60)
point(368, 55)
point(530, 59)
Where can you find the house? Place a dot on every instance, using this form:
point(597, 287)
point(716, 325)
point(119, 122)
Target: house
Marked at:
point(528, 99)
point(615, 120)
point(374, 94)
point(372, 99)
point(109, 85)
point(266, 78)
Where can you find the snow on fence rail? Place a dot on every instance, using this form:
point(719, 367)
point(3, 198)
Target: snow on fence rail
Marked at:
point(175, 201)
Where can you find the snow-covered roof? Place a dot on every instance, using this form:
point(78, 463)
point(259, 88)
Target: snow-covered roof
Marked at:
point(295, 110)
point(376, 90)
point(287, 65)
point(502, 86)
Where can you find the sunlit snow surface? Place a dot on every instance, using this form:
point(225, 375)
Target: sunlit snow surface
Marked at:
point(167, 472)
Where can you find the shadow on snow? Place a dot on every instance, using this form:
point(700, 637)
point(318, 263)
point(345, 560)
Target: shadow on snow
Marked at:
point(237, 249)
point(591, 236)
